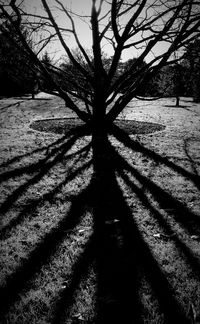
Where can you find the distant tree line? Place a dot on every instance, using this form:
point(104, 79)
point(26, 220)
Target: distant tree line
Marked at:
point(175, 80)
point(15, 69)
point(17, 77)
point(179, 79)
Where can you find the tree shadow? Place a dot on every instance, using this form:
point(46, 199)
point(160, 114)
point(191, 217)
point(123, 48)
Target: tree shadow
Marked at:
point(117, 249)
point(55, 153)
point(39, 169)
point(45, 149)
point(120, 253)
point(188, 100)
point(179, 106)
point(193, 164)
point(39, 99)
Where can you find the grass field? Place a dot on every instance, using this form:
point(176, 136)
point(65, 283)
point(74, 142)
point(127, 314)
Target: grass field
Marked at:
point(146, 267)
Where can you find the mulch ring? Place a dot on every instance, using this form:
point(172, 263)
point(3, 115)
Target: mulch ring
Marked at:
point(64, 125)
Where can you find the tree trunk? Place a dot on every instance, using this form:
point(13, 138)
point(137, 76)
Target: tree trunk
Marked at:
point(177, 101)
point(100, 170)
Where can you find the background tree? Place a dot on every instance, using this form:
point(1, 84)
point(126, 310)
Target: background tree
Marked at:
point(125, 66)
point(15, 73)
point(178, 82)
point(71, 77)
point(170, 82)
point(192, 64)
point(40, 81)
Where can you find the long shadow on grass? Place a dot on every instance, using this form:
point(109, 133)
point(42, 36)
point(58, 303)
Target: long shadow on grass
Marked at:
point(45, 149)
point(120, 255)
point(60, 146)
point(17, 281)
point(39, 169)
point(117, 250)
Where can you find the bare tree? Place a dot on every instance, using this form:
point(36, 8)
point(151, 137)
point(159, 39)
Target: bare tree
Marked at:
point(139, 25)
point(106, 87)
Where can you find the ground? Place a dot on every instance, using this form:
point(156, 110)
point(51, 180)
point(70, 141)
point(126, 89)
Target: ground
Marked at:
point(48, 272)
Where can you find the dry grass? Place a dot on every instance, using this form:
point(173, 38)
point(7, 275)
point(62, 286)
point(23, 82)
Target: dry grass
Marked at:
point(47, 225)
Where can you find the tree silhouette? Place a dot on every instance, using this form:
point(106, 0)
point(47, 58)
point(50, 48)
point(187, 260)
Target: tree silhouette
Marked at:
point(119, 253)
point(147, 25)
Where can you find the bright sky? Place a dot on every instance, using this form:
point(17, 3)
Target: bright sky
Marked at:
point(82, 7)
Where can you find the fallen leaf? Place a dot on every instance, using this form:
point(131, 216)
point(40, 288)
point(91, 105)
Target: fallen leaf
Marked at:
point(195, 237)
point(79, 316)
point(63, 287)
point(112, 221)
point(158, 235)
point(81, 230)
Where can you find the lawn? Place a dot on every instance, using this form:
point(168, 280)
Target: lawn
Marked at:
point(146, 265)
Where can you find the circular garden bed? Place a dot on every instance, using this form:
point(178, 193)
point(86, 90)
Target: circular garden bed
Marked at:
point(64, 125)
